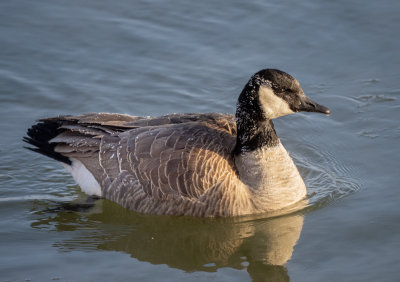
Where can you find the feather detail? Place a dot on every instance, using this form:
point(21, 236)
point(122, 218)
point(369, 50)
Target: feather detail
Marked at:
point(162, 165)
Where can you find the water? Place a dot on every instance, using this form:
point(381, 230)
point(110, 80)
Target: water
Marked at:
point(157, 57)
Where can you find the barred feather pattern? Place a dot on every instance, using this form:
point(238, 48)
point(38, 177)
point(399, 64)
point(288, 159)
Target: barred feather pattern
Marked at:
point(179, 164)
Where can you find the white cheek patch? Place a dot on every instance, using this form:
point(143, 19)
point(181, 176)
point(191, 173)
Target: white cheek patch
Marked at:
point(272, 105)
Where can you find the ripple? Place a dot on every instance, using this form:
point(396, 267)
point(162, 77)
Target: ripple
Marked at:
point(368, 133)
point(327, 179)
point(367, 100)
point(31, 197)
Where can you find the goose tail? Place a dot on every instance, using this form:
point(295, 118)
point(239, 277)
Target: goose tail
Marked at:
point(39, 136)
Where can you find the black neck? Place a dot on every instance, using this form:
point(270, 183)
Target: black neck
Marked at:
point(254, 129)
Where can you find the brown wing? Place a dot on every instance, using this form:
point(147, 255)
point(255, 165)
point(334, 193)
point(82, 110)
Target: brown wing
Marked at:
point(141, 161)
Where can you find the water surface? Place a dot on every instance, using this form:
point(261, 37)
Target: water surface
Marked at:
point(157, 57)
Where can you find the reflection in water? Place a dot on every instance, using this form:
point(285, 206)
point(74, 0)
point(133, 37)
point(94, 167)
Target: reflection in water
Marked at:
point(263, 246)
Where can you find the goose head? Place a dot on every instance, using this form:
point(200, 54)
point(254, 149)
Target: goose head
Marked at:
point(272, 93)
point(269, 94)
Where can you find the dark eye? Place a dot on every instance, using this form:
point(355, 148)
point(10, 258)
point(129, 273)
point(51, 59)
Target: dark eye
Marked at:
point(289, 91)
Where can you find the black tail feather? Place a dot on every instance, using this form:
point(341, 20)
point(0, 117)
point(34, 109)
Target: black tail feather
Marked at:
point(39, 136)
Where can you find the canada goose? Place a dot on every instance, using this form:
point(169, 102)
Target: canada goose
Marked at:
point(186, 164)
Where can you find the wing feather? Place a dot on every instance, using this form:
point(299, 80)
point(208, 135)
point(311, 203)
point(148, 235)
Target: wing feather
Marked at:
point(141, 161)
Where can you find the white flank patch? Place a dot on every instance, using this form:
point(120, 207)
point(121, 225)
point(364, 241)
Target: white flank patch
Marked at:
point(83, 177)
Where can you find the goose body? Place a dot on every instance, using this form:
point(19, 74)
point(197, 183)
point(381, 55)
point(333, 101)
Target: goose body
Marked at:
point(185, 164)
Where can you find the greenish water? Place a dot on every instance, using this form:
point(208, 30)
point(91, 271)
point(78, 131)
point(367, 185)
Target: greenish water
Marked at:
point(154, 57)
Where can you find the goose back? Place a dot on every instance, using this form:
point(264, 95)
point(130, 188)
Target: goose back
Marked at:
point(175, 164)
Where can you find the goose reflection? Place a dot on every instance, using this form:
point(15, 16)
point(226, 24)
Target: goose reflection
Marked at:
point(262, 246)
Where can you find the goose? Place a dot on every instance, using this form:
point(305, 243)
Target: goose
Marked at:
point(206, 165)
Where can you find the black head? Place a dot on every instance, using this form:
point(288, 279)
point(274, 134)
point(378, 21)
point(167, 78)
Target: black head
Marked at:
point(277, 94)
point(269, 94)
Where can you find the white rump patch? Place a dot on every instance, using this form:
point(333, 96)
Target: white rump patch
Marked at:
point(272, 105)
point(83, 177)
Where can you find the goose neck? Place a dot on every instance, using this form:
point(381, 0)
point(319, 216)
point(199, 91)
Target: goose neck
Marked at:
point(253, 135)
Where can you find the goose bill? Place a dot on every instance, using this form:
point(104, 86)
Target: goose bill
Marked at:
point(308, 105)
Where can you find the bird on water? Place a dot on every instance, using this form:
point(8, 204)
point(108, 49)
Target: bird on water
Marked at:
point(206, 165)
